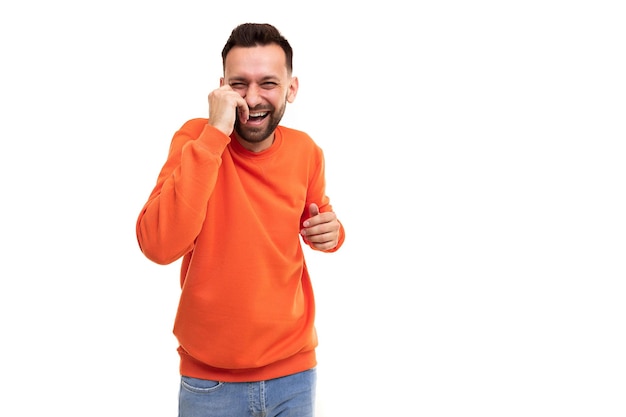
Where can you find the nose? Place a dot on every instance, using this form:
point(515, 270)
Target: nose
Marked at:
point(253, 95)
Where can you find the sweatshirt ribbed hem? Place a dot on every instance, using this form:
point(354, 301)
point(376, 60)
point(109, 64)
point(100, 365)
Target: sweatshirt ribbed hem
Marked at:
point(191, 367)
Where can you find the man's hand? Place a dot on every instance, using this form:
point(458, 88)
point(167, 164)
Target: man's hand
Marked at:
point(321, 230)
point(224, 103)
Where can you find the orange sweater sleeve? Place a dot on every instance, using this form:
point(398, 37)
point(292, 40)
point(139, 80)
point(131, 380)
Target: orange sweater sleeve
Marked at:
point(172, 218)
point(317, 194)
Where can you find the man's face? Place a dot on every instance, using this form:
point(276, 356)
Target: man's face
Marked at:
point(259, 74)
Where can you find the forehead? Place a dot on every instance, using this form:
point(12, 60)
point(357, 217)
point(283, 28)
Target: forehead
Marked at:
point(266, 60)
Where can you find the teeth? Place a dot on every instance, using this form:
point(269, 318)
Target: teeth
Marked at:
point(257, 114)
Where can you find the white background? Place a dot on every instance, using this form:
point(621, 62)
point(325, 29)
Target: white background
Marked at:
point(475, 154)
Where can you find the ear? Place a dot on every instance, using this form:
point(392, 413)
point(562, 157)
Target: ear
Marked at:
point(293, 90)
point(221, 81)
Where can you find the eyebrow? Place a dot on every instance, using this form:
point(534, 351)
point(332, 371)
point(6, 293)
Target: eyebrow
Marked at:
point(265, 78)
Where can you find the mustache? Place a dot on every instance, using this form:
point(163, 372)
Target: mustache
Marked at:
point(260, 109)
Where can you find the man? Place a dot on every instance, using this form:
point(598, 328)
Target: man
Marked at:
point(235, 199)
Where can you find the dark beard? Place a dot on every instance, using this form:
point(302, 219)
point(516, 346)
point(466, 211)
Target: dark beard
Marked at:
point(259, 135)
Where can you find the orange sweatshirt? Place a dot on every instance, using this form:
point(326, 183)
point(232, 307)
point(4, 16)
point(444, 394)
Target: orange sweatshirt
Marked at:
point(246, 310)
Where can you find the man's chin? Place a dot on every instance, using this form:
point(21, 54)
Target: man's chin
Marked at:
point(252, 135)
point(257, 133)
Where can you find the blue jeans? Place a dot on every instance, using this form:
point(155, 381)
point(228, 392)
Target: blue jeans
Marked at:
point(289, 396)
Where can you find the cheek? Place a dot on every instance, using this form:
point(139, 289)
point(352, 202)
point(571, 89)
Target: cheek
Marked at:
point(275, 98)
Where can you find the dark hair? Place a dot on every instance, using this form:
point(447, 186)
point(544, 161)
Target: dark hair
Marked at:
point(248, 35)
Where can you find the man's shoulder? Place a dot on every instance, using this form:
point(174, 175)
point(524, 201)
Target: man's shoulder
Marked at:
point(290, 133)
point(195, 124)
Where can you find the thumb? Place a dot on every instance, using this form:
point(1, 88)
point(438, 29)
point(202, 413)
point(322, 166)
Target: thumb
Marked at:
point(314, 210)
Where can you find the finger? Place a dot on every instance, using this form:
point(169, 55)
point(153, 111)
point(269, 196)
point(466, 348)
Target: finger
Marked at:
point(324, 241)
point(243, 109)
point(314, 210)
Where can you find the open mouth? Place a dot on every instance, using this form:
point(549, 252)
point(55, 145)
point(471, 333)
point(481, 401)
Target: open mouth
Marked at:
point(258, 116)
